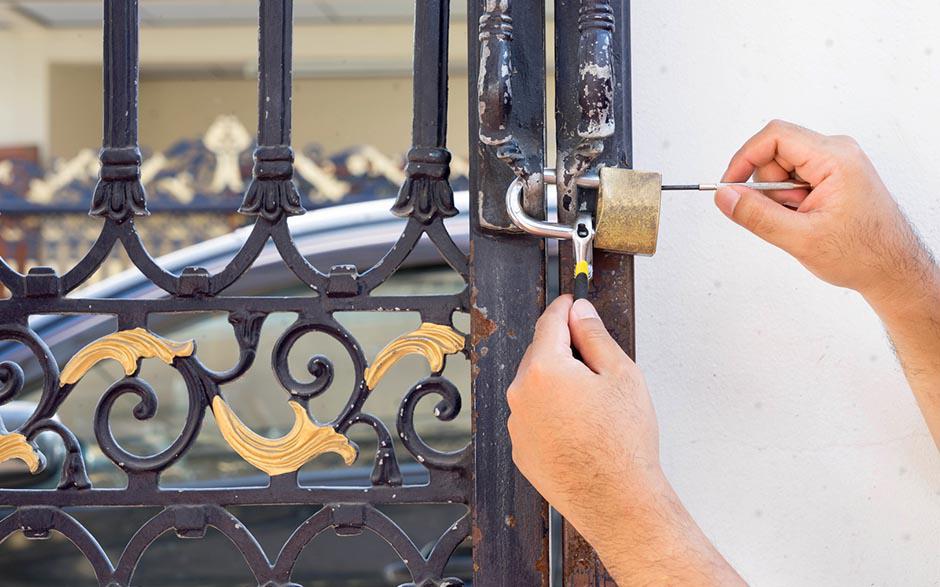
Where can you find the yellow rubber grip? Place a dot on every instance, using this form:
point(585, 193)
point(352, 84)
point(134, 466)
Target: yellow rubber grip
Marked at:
point(581, 267)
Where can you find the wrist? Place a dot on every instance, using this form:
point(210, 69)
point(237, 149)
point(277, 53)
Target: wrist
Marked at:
point(634, 511)
point(911, 293)
point(643, 540)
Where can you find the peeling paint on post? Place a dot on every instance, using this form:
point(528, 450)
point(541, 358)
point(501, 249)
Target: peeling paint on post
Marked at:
point(593, 120)
point(507, 274)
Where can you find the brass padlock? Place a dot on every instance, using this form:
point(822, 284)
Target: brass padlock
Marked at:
point(627, 216)
point(628, 207)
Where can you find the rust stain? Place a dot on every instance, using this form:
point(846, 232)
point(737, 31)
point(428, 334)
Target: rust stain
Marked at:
point(581, 567)
point(481, 327)
point(476, 538)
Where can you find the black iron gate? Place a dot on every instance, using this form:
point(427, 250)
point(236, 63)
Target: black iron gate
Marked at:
point(504, 293)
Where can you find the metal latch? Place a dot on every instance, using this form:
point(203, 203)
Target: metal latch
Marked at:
point(627, 217)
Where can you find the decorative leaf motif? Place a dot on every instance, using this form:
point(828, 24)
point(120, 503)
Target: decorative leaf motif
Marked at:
point(126, 347)
point(426, 193)
point(287, 454)
point(119, 193)
point(432, 341)
point(15, 446)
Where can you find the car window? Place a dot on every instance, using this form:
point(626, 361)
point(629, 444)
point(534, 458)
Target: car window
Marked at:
point(259, 400)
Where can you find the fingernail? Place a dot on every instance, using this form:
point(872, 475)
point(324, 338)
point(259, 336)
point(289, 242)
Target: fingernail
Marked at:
point(584, 309)
point(726, 199)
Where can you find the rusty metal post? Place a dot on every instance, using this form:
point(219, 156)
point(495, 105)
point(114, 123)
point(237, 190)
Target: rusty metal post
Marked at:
point(507, 276)
point(593, 118)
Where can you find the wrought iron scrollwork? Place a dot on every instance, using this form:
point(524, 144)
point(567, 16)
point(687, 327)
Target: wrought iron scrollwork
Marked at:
point(426, 199)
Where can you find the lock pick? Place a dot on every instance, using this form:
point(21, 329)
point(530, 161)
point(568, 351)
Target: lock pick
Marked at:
point(754, 185)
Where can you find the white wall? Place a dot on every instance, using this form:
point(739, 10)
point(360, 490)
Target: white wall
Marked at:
point(787, 425)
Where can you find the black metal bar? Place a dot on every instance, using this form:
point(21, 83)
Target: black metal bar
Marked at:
point(272, 193)
point(449, 488)
point(119, 193)
point(510, 519)
point(594, 127)
point(426, 193)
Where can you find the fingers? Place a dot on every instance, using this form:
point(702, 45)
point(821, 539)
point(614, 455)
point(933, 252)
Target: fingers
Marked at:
point(774, 172)
point(789, 146)
point(551, 329)
point(551, 337)
point(764, 217)
point(598, 349)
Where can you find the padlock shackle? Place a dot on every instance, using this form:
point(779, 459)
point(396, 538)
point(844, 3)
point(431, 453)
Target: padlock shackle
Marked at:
point(534, 226)
point(526, 223)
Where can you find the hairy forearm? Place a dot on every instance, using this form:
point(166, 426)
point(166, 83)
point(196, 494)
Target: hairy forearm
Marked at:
point(654, 541)
point(912, 319)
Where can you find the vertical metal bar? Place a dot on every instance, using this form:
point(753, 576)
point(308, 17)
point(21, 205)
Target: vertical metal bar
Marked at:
point(430, 79)
point(119, 193)
point(580, 30)
point(274, 72)
point(507, 276)
point(121, 70)
point(272, 193)
point(426, 193)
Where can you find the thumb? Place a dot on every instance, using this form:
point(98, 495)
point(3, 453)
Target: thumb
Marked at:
point(598, 349)
point(759, 214)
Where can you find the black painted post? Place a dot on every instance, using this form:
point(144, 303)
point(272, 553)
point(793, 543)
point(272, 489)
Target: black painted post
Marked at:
point(594, 127)
point(507, 276)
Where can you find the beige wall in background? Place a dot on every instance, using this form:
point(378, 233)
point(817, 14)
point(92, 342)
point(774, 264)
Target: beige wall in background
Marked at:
point(74, 109)
point(334, 113)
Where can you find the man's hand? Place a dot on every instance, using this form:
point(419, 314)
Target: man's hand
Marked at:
point(585, 435)
point(849, 231)
point(582, 431)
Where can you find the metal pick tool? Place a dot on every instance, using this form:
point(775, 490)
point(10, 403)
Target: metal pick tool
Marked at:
point(593, 181)
point(754, 185)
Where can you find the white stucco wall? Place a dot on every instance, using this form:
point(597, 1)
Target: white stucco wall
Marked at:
point(787, 426)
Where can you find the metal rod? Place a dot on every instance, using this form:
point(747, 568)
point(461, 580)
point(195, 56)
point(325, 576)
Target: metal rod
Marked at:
point(592, 180)
point(754, 185)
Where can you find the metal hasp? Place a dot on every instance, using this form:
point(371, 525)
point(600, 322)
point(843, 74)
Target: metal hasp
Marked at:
point(581, 233)
point(627, 217)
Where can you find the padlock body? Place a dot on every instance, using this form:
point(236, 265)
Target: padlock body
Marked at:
point(628, 208)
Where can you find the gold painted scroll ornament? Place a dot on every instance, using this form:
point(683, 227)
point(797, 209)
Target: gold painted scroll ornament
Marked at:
point(304, 442)
point(15, 446)
point(287, 454)
point(432, 341)
point(126, 347)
